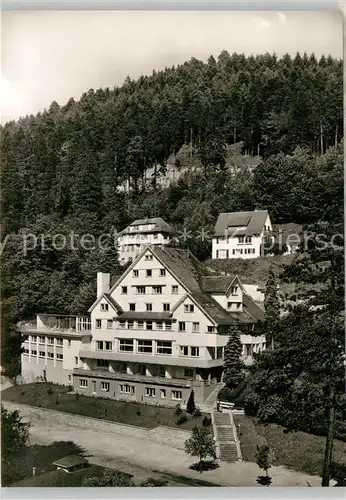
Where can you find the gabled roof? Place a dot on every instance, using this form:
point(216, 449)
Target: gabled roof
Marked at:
point(231, 223)
point(252, 309)
point(160, 226)
point(108, 299)
point(70, 461)
point(208, 306)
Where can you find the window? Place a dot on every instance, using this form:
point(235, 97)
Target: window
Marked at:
point(124, 290)
point(135, 273)
point(33, 338)
point(83, 382)
point(69, 378)
point(132, 307)
point(149, 307)
point(50, 354)
point(127, 389)
point(195, 327)
point(162, 272)
point(126, 345)
point(122, 324)
point(166, 307)
point(145, 346)
point(149, 273)
point(140, 290)
point(188, 372)
point(69, 343)
point(59, 342)
point(157, 290)
point(50, 341)
point(240, 239)
point(25, 351)
point(33, 352)
point(102, 363)
point(150, 392)
point(233, 251)
point(159, 325)
point(98, 323)
point(163, 393)
point(104, 307)
point(140, 325)
point(184, 350)
point(76, 361)
point(219, 352)
point(195, 351)
point(164, 347)
point(42, 340)
point(130, 325)
point(177, 395)
point(234, 290)
point(248, 239)
point(59, 356)
point(42, 354)
point(210, 329)
point(241, 250)
point(99, 345)
point(181, 326)
point(174, 289)
point(149, 325)
point(148, 256)
point(189, 308)
point(168, 325)
point(105, 386)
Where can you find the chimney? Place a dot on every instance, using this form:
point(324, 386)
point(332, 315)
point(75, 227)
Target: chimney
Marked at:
point(103, 283)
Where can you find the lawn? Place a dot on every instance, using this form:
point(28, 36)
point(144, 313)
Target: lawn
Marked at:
point(60, 398)
point(296, 450)
point(60, 478)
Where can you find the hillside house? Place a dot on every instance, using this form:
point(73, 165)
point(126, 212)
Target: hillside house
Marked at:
point(241, 235)
point(157, 333)
point(142, 233)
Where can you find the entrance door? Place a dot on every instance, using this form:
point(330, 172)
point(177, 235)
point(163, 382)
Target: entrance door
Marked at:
point(94, 386)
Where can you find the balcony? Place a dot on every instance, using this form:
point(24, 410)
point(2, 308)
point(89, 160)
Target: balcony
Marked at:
point(57, 324)
point(156, 359)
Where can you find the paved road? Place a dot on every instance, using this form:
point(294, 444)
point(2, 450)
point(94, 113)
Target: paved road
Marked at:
point(143, 451)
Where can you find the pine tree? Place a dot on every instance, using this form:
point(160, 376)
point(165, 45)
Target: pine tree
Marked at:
point(191, 406)
point(233, 366)
point(271, 307)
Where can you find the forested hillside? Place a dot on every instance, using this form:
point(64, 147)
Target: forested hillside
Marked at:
point(61, 169)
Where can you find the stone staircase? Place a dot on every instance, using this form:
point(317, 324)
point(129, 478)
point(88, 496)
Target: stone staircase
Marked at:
point(225, 437)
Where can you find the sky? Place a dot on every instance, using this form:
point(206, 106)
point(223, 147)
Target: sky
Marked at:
point(55, 55)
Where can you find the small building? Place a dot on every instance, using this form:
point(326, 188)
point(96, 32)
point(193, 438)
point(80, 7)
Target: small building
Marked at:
point(287, 237)
point(71, 463)
point(242, 235)
point(140, 234)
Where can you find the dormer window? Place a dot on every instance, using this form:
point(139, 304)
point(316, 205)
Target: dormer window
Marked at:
point(234, 290)
point(104, 307)
point(248, 239)
point(240, 239)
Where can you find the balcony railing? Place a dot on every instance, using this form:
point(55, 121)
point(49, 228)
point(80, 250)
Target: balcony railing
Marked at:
point(57, 323)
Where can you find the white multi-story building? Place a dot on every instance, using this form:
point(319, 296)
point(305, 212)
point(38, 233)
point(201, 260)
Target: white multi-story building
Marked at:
point(241, 235)
point(142, 233)
point(156, 334)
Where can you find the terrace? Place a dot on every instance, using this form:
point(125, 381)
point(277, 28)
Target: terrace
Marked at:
point(57, 324)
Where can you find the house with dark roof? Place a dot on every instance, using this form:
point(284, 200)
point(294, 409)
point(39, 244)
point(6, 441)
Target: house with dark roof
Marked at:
point(241, 235)
point(142, 233)
point(157, 333)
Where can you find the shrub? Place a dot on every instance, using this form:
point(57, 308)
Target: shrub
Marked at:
point(178, 410)
point(22, 393)
point(197, 413)
point(225, 394)
point(206, 421)
point(191, 405)
point(181, 419)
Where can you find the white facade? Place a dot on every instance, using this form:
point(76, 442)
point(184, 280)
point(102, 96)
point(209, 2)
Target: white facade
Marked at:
point(149, 324)
point(237, 244)
point(139, 235)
